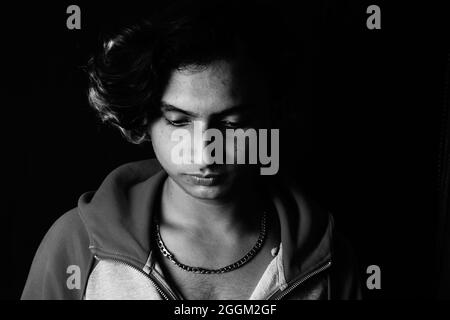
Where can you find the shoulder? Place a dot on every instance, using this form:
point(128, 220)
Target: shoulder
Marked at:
point(63, 252)
point(67, 230)
point(63, 261)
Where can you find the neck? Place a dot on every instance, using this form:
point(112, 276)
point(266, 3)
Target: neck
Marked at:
point(181, 210)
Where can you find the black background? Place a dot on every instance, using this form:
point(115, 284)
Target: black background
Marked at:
point(363, 135)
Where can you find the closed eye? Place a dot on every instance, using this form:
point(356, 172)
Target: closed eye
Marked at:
point(177, 123)
point(231, 124)
point(235, 122)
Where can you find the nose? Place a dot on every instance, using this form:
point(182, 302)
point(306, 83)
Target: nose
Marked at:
point(202, 136)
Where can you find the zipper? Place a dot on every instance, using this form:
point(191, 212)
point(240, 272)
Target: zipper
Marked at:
point(148, 276)
point(296, 283)
point(274, 296)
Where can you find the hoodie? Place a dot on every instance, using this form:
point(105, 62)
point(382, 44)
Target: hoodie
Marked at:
point(102, 249)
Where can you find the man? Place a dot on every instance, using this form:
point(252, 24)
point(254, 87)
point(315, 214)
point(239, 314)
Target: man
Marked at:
point(199, 228)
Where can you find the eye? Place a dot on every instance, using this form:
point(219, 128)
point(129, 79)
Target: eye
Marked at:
point(231, 124)
point(235, 122)
point(178, 122)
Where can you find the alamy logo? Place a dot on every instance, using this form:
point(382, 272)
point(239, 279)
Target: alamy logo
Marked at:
point(74, 280)
point(74, 20)
point(238, 146)
point(374, 280)
point(374, 20)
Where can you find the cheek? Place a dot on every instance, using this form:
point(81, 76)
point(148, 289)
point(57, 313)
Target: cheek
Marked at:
point(235, 151)
point(232, 150)
point(160, 135)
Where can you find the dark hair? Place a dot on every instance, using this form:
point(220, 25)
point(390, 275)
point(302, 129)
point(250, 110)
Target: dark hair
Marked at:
point(129, 74)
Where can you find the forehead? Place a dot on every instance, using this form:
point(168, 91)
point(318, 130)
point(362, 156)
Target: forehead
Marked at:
point(210, 89)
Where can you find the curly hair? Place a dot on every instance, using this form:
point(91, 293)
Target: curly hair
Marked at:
point(128, 76)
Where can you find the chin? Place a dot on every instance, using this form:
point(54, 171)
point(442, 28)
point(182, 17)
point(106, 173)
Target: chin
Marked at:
point(206, 192)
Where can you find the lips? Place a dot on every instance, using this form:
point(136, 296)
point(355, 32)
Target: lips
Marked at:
point(205, 179)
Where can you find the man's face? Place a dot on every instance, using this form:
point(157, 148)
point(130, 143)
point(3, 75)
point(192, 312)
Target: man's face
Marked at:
point(219, 96)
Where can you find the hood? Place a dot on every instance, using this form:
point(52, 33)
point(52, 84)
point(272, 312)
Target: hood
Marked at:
point(118, 218)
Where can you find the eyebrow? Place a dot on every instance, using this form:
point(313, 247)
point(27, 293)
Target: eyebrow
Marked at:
point(166, 107)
